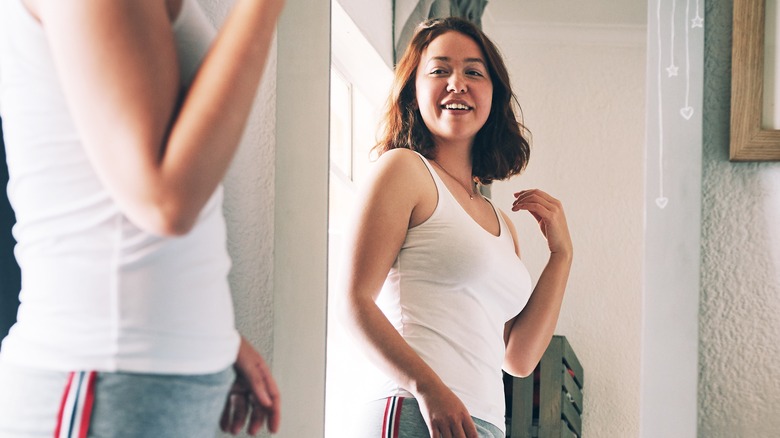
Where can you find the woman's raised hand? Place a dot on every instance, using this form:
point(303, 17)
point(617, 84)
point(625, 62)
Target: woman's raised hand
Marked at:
point(548, 212)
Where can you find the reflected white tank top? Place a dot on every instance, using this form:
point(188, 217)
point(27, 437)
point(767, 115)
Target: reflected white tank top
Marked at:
point(449, 293)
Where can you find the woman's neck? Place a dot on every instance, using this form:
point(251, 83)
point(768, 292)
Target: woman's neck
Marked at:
point(456, 159)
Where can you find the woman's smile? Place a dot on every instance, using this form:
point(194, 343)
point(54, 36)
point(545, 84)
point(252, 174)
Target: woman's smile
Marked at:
point(456, 106)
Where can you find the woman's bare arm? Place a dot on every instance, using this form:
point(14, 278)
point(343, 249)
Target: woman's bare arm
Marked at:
point(528, 334)
point(391, 201)
point(161, 159)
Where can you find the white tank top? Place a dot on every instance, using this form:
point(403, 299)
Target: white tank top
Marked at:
point(99, 293)
point(449, 293)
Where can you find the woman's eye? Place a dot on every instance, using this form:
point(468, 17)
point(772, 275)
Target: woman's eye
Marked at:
point(474, 73)
point(438, 71)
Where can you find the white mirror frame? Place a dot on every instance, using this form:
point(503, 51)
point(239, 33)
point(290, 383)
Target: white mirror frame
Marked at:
point(301, 215)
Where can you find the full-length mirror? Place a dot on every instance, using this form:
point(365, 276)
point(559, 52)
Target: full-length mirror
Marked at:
point(578, 71)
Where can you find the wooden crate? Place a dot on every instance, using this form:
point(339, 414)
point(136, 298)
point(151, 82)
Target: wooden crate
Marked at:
point(547, 404)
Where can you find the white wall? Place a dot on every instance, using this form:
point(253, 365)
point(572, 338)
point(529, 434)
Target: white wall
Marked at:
point(582, 91)
point(375, 19)
point(301, 215)
point(739, 387)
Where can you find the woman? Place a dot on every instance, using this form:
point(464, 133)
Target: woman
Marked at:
point(120, 119)
point(436, 293)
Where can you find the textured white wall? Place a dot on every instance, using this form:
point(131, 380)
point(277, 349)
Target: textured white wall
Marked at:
point(249, 208)
point(739, 350)
point(582, 91)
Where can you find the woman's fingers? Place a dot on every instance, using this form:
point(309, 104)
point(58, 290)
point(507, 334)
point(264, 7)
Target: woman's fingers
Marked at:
point(529, 198)
point(266, 404)
point(541, 205)
point(260, 394)
point(549, 213)
point(235, 412)
point(464, 429)
point(224, 420)
point(453, 425)
point(258, 416)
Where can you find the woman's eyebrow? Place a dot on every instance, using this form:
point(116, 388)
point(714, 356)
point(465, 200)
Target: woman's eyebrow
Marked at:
point(448, 59)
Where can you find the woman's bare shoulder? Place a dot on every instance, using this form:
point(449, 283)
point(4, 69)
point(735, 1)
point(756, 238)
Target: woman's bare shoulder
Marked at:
point(403, 162)
point(401, 174)
point(400, 154)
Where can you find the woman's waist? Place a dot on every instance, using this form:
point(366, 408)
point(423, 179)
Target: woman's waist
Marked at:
point(86, 345)
point(483, 395)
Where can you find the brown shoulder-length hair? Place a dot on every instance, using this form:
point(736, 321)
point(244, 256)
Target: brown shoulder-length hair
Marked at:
point(501, 147)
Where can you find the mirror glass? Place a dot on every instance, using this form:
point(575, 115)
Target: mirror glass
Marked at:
point(578, 70)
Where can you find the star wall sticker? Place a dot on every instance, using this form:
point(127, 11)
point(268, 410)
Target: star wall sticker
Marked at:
point(697, 22)
point(672, 70)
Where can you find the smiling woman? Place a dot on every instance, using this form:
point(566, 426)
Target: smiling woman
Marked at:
point(434, 290)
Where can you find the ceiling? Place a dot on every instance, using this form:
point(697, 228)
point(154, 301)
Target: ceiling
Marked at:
point(585, 12)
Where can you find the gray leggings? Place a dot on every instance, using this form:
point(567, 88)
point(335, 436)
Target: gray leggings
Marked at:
point(124, 404)
point(400, 417)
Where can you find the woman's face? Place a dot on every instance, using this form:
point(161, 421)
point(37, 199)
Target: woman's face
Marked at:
point(454, 90)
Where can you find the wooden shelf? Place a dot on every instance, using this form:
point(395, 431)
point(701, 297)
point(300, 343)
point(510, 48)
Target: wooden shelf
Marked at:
point(549, 403)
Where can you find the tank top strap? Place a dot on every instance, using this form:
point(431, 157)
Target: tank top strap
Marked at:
point(441, 188)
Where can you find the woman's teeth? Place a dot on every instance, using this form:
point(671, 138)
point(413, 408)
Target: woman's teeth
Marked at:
point(456, 106)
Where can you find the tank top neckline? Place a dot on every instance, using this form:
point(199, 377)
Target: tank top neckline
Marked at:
point(441, 186)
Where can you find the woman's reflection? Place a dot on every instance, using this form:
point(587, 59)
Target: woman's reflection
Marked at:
point(434, 289)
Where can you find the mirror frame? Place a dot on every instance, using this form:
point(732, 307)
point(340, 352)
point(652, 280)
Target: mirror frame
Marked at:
point(301, 215)
point(749, 140)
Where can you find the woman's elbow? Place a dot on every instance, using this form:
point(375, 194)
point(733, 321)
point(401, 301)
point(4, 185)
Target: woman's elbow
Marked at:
point(164, 219)
point(173, 227)
point(351, 310)
point(519, 368)
point(345, 310)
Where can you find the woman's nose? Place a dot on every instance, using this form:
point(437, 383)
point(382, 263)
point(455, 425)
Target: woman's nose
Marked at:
point(456, 84)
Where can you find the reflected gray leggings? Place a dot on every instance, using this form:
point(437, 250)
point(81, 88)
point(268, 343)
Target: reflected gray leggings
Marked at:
point(400, 417)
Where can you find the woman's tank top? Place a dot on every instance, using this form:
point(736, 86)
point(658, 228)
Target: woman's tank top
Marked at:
point(449, 293)
point(97, 292)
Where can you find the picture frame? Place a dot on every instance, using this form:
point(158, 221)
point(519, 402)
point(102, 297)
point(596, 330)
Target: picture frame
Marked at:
point(749, 140)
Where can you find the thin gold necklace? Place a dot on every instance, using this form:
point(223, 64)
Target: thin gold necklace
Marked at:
point(471, 192)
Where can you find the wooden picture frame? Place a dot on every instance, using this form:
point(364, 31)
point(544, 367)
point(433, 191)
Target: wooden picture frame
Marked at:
point(749, 140)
